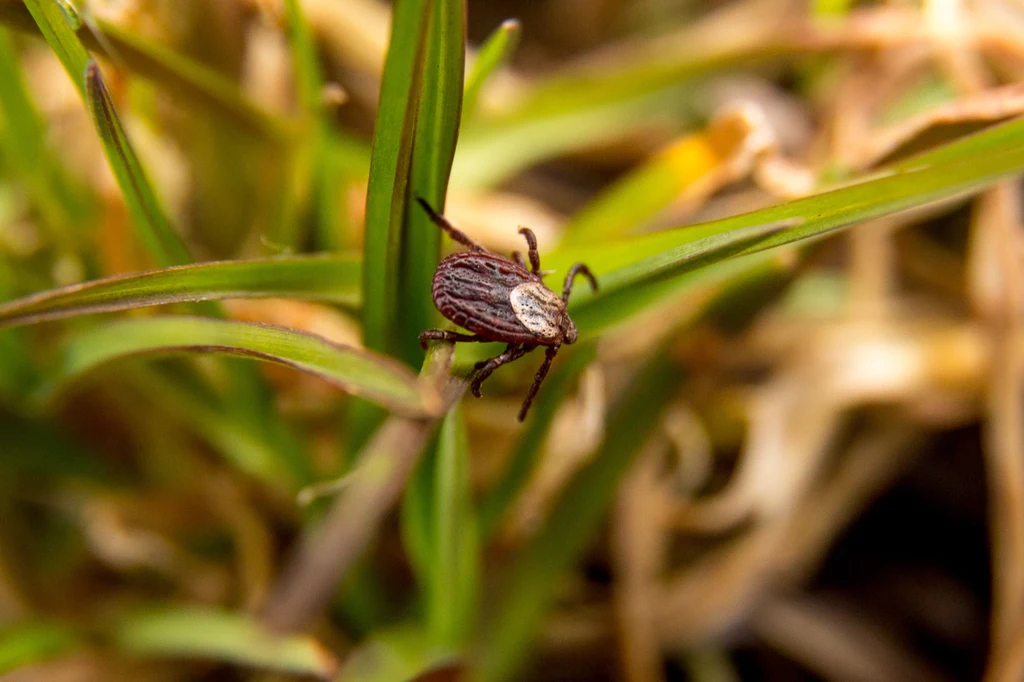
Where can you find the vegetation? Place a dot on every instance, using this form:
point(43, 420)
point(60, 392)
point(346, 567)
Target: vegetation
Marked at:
point(223, 454)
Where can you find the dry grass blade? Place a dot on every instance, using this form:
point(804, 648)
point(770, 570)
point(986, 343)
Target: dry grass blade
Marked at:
point(327, 551)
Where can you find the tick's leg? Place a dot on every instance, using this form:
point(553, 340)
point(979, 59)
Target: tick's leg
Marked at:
point(518, 258)
point(445, 335)
point(453, 232)
point(549, 355)
point(484, 369)
point(531, 241)
point(578, 269)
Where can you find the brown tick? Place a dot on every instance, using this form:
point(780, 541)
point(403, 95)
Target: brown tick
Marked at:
point(500, 300)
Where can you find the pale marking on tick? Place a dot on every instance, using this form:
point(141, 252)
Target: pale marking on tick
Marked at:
point(538, 309)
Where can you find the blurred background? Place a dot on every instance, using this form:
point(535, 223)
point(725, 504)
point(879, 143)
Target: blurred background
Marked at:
point(805, 466)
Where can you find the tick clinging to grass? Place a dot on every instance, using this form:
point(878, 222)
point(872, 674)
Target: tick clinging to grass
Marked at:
point(499, 299)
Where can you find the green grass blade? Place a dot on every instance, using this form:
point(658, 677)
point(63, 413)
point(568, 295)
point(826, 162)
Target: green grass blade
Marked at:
point(193, 633)
point(332, 279)
point(572, 523)
point(362, 373)
point(452, 592)
point(394, 655)
point(493, 54)
point(29, 643)
point(390, 163)
point(437, 129)
point(154, 230)
point(645, 260)
point(525, 453)
point(62, 205)
point(188, 79)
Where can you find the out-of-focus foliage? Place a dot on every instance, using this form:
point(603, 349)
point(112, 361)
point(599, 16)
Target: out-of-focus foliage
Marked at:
point(790, 442)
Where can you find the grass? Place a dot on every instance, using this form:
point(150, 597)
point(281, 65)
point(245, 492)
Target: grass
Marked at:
point(290, 486)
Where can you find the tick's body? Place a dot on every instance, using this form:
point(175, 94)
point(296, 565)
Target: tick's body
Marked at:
point(498, 299)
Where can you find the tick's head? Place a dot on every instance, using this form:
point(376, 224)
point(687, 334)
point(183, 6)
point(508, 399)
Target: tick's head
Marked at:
point(569, 333)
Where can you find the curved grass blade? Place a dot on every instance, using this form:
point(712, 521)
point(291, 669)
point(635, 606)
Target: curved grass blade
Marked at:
point(402, 653)
point(493, 54)
point(188, 79)
point(653, 258)
point(333, 279)
point(193, 633)
point(390, 163)
point(155, 231)
point(654, 84)
point(572, 523)
point(437, 130)
point(362, 373)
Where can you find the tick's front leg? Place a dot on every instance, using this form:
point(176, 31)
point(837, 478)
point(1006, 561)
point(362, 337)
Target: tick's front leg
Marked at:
point(445, 335)
point(484, 369)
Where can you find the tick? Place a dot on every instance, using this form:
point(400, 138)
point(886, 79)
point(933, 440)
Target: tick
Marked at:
point(499, 299)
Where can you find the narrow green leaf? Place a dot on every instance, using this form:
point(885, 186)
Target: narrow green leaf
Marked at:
point(525, 453)
point(62, 205)
point(452, 592)
point(193, 633)
point(493, 54)
point(585, 107)
point(304, 159)
point(572, 523)
point(362, 373)
point(437, 127)
point(155, 231)
point(29, 643)
point(334, 279)
point(390, 164)
point(395, 655)
point(58, 29)
point(663, 256)
point(188, 79)
point(308, 78)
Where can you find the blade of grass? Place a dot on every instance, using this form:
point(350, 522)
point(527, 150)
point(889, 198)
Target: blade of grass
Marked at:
point(193, 633)
point(390, 162)
point(154, 230)
point(493, 54)
point(527, 449)
point(188, 79)
point(304, 158)
point(646, 260)
point(572, 523)
point(29, 643)
point(691, 167)
point(334, 279)
point(452, 590)
point(437, 129)
point(402, 653)
point(62, 205)
point(328, 551)
point(583, 107)
point(362, 373)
